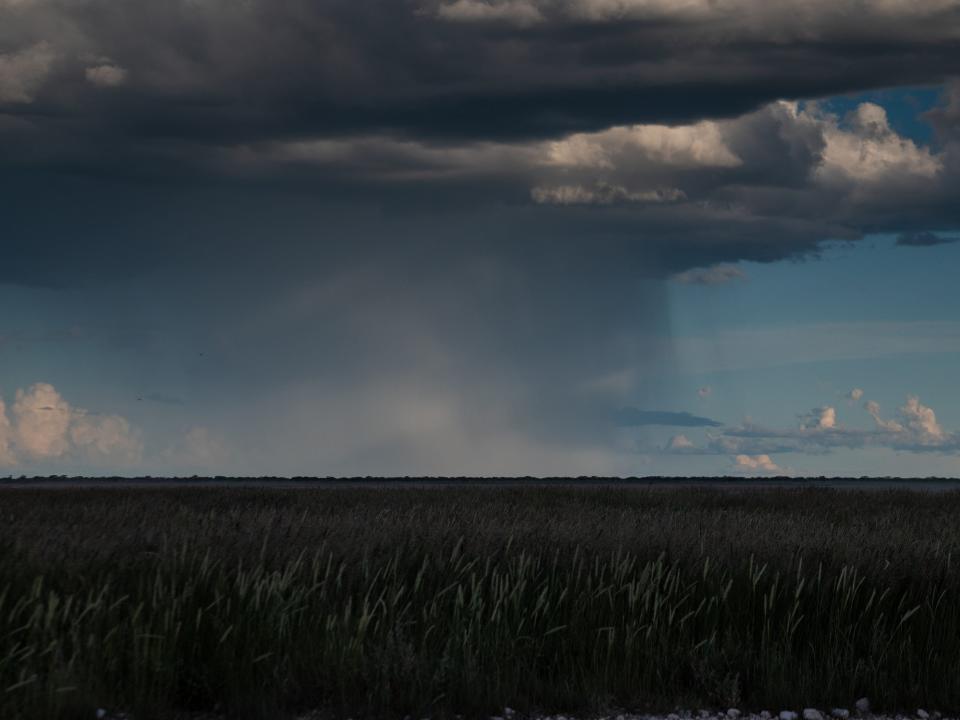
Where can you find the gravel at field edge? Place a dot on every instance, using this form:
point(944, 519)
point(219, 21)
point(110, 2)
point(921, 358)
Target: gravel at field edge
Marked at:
point(736, 714)
point(730, 714)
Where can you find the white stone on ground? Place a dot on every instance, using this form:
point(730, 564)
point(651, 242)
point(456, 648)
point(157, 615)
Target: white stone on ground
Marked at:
point(836, 713)
point(733, 713)
point(812, 714)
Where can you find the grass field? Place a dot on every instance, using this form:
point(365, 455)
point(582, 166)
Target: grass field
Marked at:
point(383, 602)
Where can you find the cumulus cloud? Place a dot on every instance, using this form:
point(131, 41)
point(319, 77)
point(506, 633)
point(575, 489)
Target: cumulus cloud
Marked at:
point(106, 75)
point(797, 167)
point(854, 395)
point(913, 429)
point(891, 426)
point(683, 445)
point(680, 444)
point(823, 418)
point(716, 275)
point(869, 151)
point(700, 145)
point(784, 143)
point(44, 427)
point(915, 424)
point(42, 422)
point(756, 463)
point(632, 417)
point(921, 421)
point(23, 72)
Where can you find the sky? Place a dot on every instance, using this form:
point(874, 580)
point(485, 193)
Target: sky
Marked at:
point(480, 237)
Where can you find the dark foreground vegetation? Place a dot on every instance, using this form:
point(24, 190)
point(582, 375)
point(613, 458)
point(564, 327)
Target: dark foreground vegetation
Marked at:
point(381, 602)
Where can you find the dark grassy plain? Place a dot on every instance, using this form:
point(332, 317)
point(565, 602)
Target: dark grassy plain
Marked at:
point(388, 601)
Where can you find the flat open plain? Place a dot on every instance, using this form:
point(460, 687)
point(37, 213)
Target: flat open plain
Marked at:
point(438, 599)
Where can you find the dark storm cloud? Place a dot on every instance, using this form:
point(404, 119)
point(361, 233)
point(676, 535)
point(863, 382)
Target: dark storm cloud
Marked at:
point(212, 71)
point(924, 239)
point(632, 417)
point(650, 199)
point(210, 137)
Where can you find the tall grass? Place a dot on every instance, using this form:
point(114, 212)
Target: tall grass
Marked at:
point(394, 601)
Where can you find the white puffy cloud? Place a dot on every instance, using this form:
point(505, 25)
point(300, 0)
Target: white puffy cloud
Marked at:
point(858, 153)
point(24, 71)
point(44, 427)
point(794, 161)
point(714, 275)
point(854, 395)
point(680, 443)
point(106, 75)
point(915, 430)
point(920, 420)
point(823, 418)
point(41, 421)
point(916, 424)
point(873, 408)
point(868, 150)
point(687, 146)
point(757, 463)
